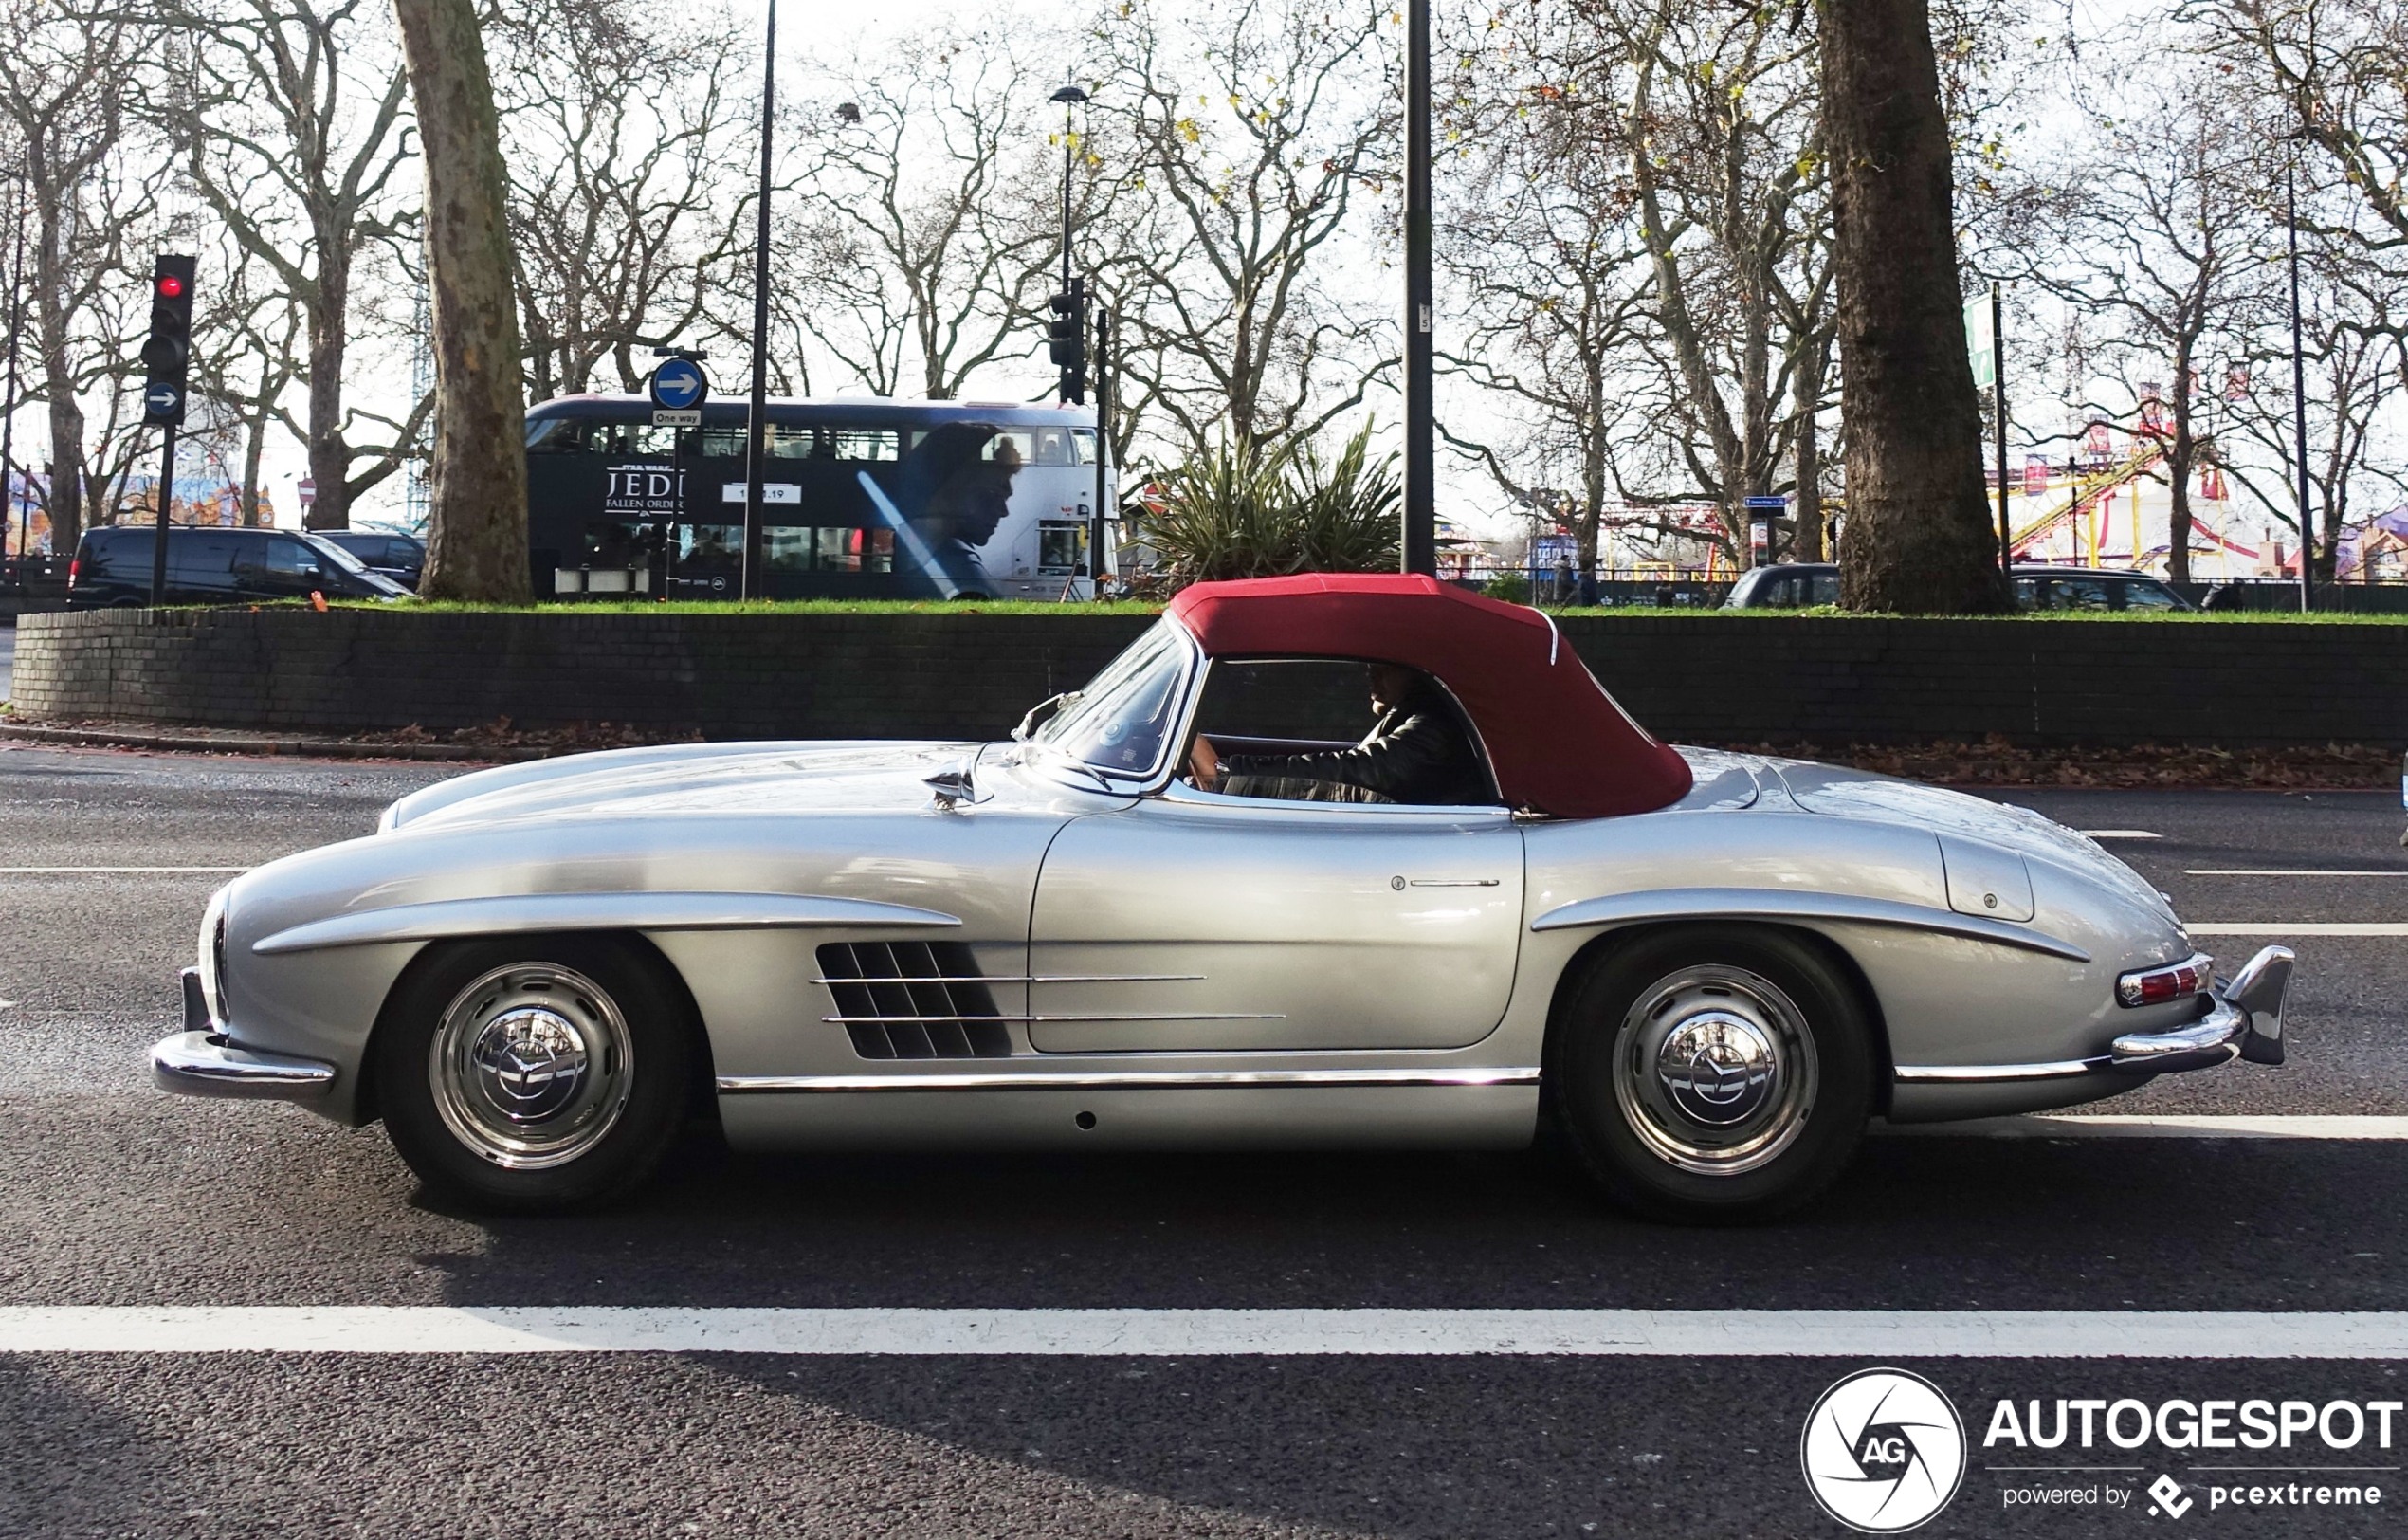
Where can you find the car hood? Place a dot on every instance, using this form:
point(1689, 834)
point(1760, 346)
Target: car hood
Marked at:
point(707, 779)
point(1861, 793)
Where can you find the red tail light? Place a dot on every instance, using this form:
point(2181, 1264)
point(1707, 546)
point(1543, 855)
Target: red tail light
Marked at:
point(2155, 986)
point(74, 570)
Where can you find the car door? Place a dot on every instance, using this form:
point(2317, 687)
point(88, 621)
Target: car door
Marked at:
point(1195, 923)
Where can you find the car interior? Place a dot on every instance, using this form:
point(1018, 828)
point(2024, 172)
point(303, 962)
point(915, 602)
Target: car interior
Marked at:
point(1297, 706)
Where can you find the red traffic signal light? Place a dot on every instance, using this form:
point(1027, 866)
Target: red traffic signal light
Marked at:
point(170, 286)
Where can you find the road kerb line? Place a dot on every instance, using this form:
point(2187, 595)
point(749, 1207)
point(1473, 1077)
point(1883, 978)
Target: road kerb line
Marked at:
point(1183, 1334)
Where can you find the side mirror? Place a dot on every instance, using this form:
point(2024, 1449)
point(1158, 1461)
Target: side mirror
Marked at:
point(1043, 713)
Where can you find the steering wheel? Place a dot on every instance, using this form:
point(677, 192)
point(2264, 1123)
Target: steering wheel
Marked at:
point(1203, 763)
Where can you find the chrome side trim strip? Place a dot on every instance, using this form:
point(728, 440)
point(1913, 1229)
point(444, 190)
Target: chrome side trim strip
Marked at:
point(1032, 979)
point(738, 1085)
point(1971, 1074)
point(1770, 904)
point(527, 913)
point(1134, 1016)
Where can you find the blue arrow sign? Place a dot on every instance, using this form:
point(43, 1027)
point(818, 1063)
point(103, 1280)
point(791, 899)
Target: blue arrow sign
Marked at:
point(162, 400)
point(678, 385)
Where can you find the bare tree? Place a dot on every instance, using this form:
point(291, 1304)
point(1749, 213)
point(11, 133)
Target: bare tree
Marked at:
point(477, 528)
point(1244, 133)
point(628, 141)
point(1918, 539)
point(292, 125)
point(927, 223)
point(2150, 230)
point(65, 86)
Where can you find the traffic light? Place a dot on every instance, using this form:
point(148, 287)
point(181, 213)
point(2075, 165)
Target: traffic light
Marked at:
point(168, 355)
point(1067, 335)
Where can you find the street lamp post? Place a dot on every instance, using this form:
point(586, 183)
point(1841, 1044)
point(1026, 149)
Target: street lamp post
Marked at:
point(1421, 543)
point(9, 501)
point(2299, 383)
point(756, 422)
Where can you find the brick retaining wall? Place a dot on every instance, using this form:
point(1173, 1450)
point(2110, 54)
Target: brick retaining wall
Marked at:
point(1691, 678)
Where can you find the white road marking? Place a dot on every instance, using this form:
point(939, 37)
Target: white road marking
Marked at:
point(2162, 1125)
point(2122, 834)
point(1182, 1333)
point(78, 871)
point(2282, 872)
point(2276, 928)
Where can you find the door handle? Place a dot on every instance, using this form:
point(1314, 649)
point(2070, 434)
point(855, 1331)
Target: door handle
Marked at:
point(1452, 882)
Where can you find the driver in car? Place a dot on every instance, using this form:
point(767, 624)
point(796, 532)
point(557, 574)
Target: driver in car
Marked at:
point(1416, 752)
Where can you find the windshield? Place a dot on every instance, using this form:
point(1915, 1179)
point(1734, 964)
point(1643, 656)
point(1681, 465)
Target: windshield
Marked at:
point(1121, 724)
point(335, 554)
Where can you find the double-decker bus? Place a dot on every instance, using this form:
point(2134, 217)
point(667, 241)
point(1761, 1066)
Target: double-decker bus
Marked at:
point(860, 498)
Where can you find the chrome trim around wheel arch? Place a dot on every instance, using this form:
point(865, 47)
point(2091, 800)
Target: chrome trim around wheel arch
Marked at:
point(206, 1064)
point(1767, 904)
point(740, 1085)
point(527, 913)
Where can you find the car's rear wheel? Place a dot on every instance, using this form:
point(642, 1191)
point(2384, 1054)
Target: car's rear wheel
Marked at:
point(537, 1074)
point(1711, 1074)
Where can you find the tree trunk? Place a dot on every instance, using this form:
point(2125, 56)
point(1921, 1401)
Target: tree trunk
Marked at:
point(1806, 395)
point(64, 497)
point(329, 455)
point(1918, 539)
point(476, 529)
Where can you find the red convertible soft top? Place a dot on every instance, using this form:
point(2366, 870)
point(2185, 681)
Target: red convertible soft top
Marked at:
point(1557, 741)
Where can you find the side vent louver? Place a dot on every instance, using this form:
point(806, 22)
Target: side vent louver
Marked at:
point(913, 1000)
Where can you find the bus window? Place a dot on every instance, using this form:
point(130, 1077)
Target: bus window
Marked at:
point(786, 548)
point(865, 443)
point(844, 548)
point(555, 435)
point(1062, 548)
point(793, 441)
point(716, 443)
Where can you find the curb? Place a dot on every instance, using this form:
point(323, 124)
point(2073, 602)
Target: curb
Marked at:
point(319, 748)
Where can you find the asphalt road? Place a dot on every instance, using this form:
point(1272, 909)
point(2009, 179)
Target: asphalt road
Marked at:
point(119, 1197)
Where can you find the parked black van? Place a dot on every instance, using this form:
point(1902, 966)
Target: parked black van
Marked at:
point(401, 557)
point(211, 566)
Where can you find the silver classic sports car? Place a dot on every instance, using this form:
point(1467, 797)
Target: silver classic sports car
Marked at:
point(1317, 861)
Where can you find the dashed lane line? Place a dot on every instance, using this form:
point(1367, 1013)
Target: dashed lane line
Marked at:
point(2290, 872)
point(1877, 1335)
point(2313, 928)
point(110, 871)
point(2122, 833)
point(2164, 1126)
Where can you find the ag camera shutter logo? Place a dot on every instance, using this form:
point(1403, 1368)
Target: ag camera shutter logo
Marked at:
point(1882, 1451)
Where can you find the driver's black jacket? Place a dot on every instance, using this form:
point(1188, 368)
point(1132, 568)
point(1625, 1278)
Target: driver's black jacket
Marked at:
point(1416, 752)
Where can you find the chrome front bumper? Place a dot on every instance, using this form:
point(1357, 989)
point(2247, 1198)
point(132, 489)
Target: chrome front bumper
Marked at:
point(2244, 1020)
point(201, 1062)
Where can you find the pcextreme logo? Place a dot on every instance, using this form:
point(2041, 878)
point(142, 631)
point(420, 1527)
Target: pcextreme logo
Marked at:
point(1882, 1451)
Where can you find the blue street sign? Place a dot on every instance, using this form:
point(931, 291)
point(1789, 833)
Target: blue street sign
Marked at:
point(678, 385)
point(162, 401)
point(1769, 505)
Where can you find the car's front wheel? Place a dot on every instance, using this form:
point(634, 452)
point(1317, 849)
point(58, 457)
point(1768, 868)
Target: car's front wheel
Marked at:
point(537, 1074)
point(1711, 1074)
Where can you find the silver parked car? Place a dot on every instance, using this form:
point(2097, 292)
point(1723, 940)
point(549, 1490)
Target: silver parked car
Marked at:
point(1194, 906)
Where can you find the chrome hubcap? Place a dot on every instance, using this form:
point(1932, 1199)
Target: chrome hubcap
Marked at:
point(531, 1066)
point(1714, 1069)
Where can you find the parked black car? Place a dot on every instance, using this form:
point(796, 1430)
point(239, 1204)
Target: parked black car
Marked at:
point(209, 565)
point(1799, 585)
point(401, 557)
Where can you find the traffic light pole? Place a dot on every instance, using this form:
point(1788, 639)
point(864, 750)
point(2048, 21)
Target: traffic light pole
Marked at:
point(1420, 545)
point(1102, 447)
point(167, 495)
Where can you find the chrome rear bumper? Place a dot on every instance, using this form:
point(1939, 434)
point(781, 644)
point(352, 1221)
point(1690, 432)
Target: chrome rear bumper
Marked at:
point(201, 1062)
point(2244, 1020)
